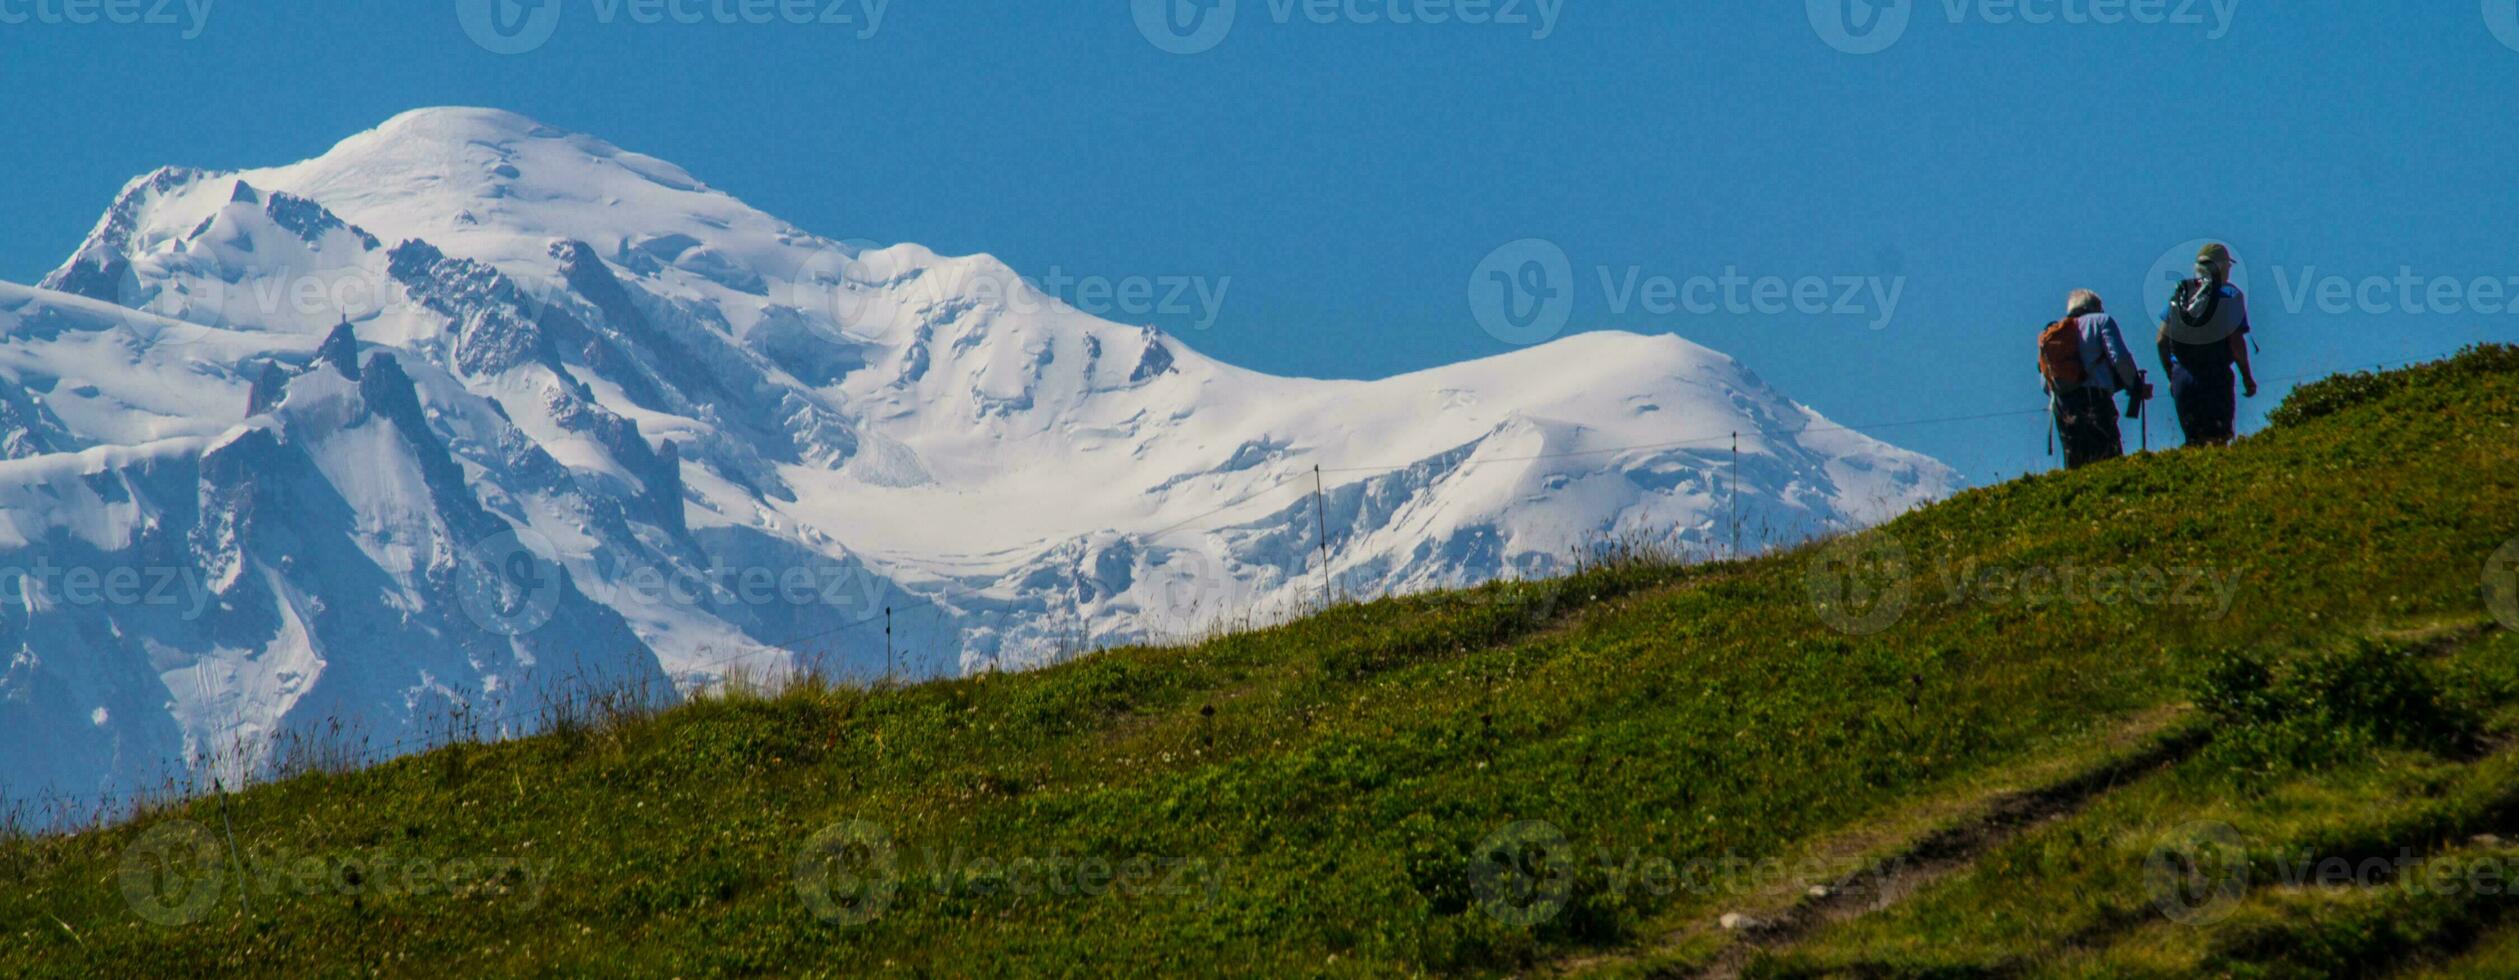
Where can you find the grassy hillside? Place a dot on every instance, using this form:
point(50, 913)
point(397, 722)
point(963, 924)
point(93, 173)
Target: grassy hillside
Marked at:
point(2012, 733)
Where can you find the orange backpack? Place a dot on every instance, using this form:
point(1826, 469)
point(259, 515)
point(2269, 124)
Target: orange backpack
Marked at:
point(2060, 354)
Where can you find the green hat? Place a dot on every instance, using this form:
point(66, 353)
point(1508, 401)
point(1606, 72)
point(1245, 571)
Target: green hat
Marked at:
point(2214, 252)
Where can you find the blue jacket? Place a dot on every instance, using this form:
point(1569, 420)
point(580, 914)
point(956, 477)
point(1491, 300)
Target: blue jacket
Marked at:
point(2107, 364)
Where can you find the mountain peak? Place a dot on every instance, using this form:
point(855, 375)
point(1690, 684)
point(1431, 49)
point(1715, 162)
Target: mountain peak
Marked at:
point(465, 123)
point(470, 140)
point(341, 350)
point(596, 365)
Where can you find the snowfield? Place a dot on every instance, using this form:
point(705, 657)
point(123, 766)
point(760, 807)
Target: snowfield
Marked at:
point(469, 413)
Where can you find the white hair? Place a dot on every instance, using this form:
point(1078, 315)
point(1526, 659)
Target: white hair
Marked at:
point(2083, 302)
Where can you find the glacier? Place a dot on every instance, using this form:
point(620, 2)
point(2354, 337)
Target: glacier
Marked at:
point(419, 437)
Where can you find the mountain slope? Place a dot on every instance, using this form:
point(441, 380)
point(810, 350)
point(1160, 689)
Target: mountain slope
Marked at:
point(1526, 777)
point(740, 443)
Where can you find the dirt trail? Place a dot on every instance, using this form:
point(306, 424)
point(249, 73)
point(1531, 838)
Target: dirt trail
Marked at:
point(1957, 835)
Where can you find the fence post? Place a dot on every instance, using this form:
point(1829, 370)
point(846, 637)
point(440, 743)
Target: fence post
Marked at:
point(1320, 514)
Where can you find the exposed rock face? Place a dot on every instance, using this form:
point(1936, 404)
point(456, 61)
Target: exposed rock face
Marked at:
point(589, 422)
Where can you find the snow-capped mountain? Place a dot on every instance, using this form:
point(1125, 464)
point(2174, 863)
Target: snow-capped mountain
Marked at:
point(470, 411)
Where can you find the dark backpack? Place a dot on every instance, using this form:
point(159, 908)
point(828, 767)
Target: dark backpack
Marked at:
point(2060, 354)
point(2197, 301)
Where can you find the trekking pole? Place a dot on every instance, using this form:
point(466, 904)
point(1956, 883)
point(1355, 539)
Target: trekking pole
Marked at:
point(2143, 392)
point(2051, 425)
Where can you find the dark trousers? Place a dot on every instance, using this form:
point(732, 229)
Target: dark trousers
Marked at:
point(2208, 406)
point(2087, 420)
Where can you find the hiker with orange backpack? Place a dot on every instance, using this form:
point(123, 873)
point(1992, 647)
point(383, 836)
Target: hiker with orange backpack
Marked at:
point(2084, 361)
point(2203, 335)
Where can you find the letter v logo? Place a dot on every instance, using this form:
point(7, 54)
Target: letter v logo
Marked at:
point(1185, 26)
point(2502, 17)
point(1860, 26)
point(509, 26)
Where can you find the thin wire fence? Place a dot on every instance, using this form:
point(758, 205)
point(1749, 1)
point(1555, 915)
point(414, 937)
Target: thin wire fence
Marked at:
point(593, 706)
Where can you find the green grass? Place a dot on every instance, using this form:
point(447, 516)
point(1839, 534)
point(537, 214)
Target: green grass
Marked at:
point(2489, 959)
point(1327, 797)
point(2264, 815)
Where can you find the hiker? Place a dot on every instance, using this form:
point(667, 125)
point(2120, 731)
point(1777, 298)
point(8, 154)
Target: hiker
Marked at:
point(2204, 334)
point(2085, 362)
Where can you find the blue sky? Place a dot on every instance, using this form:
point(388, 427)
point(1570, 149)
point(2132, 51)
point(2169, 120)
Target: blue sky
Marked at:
point(1341, 180)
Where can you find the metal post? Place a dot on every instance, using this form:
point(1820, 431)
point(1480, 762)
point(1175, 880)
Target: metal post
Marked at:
point(1320, 513)
point(1736, 495)
point(235, 855)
